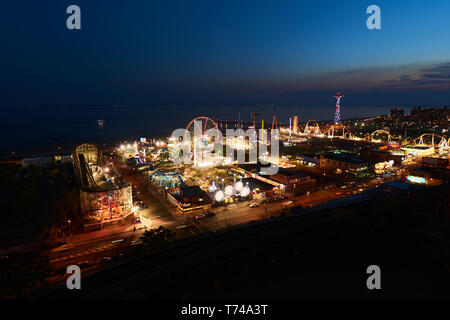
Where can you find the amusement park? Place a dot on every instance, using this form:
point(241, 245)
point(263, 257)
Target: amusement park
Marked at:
point(219, 174)
point(188, 154)
point(214, 162)
point(212, 165)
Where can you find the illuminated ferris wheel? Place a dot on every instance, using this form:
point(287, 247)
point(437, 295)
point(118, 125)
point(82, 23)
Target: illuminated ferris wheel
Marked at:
point(202, 133)
point(201, 125)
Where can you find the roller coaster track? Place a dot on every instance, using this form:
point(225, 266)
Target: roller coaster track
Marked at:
point(370, 136)
point(312, 130)
point(347, 134)
point(443, 143)
point(87, 180)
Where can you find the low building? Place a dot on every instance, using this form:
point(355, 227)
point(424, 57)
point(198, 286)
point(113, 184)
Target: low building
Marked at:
point(288, 177)
point(308, 161)
point(292, 180)
point(428, 175)
point(342, 163)
point(376, 156)
point(48, 161)
point(11, 159)
point(260, 189)
point(40, 161)
point(435, 162)
point(189, 199)
point(251, 169)
point(421, 151)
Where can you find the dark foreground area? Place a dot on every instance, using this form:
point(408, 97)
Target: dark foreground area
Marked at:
point(304, 255)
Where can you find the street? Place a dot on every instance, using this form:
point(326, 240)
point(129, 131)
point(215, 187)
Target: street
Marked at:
point(116, 242)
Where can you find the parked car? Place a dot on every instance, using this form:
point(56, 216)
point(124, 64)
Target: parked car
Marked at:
point(85, 264)
point(104, 260)
point(118, 257)
point(200, 216)
point(254, 205)
point(210, 214)
point(64, 247)
point(59, 271)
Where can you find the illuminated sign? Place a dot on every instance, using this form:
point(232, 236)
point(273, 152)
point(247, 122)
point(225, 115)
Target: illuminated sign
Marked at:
point(143, 140)
point(415, 179)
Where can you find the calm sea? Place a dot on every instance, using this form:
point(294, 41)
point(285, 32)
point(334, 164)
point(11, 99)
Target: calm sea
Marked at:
point(40, 129)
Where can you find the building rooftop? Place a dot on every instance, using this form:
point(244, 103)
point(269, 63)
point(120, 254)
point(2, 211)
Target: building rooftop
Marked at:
point(417, 147)
point(345, 157)
point(257, 184)
point(404, 185)
point(191, 193)
point(288, 172)
point(253, 167)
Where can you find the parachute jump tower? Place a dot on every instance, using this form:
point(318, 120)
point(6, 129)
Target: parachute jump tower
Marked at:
point(337, 115)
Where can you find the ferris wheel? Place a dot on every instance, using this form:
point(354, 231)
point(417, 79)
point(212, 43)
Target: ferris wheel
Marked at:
point(202, 133)
point(201, 125)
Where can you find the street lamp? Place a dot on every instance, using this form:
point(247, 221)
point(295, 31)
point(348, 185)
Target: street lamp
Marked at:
point(70, 229)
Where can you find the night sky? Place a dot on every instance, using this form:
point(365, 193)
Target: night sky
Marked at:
point(233, 52)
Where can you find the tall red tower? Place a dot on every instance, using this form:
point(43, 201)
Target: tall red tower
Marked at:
point(337, 115)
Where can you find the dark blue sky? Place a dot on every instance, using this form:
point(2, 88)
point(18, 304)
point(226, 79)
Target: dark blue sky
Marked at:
point(233, 51)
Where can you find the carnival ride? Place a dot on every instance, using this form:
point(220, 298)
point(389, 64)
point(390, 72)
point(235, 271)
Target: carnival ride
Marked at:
point(312, 129)
point(237, 189)
point(201, 135)
point(85, 156)
point(429, 139)
point(101, 198)
point(337, 115)
point(201, 126)
point(341, 131)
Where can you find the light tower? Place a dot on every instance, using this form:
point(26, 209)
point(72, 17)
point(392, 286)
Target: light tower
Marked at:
point(295, 125)
point(337, 115)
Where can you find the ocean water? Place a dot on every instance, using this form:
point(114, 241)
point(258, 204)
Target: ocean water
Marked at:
point(37, 129)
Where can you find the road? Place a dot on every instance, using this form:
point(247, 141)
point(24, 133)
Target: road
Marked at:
point(113, 242)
